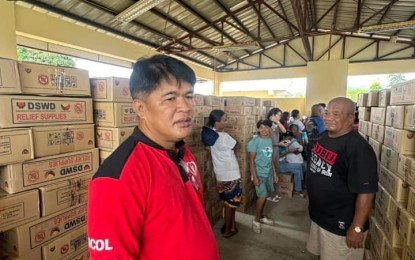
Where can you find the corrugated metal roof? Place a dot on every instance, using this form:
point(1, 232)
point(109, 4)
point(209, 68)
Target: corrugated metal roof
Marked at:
point(192, 28)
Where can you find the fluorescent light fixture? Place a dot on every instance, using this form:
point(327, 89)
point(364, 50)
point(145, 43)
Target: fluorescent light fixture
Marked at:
point(136, 10)
point(387, 27)
point(237, 46)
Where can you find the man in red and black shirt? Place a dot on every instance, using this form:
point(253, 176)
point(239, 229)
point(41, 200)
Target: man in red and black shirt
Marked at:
point(146, 200)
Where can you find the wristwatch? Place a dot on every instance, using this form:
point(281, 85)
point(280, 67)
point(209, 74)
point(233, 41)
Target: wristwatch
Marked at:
point(357, 229)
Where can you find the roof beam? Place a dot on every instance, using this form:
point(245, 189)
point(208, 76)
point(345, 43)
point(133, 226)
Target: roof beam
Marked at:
point(258, 12)
point(378, 12)
point(294, 50)
point(329, 48)
point(362, 49)
point(396, 51)
point(283, 17)
point(410, 18)
point(300, 17)
point(359, 14)
point(325, 14)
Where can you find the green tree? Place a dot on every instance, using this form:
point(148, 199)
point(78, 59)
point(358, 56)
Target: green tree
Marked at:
point(31, 55)
point(354, 92)
point(395, 79)
point(375, 85)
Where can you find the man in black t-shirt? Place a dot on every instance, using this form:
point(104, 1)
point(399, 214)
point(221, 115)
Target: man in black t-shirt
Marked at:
point(342, 182)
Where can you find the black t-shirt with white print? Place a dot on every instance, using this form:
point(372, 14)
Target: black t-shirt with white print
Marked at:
point(340, 168)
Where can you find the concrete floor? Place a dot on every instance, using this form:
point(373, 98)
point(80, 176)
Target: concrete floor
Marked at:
point(286, 239)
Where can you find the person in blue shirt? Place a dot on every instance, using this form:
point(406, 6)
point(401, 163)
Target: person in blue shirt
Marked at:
point(263, 174)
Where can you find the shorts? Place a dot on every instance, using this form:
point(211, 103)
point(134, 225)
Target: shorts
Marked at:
point(331, 246)
point(266, 187)
point(230, 192)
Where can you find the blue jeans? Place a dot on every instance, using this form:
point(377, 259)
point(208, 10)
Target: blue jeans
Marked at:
point(296, 169)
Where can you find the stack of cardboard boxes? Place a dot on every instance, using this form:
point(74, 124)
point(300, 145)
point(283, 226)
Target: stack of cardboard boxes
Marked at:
point(47, 158)
point(243, 113)
point(114, 116)
point(390, 133)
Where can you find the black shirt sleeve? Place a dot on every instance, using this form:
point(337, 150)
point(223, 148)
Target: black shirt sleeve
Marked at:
point(362, 176)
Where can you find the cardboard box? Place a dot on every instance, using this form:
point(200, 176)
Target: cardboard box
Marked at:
point(18, 209)
point(362, 99)
point(392, 234)
point(198, 99)
point(52, 80)
point(52, 140)
point(378, 132)
point(285, 177)
point(392, 252)
point(110, 89)
point(47, 170)
point(377, 236)
point(396, 187)
point(377, 115)
point(240, 120)
point(103, 155)
point(411, 201)
point(406, 167)
point(403, 93)
point(18, 111)
point(383, 199)
point(35, 254)
point(64, 195)
point(66, 246)
point(394, 210)
point(238, 110)
point(240, 101)
point(372, 98)
point(365, 127)
point(213, 101)
point(364, 113)
point(245, 130)
point(388, 116)
point(398, 116)
point(377, 147)
point(16, 145)
point(404, 224)
point(409, 122)
point(402, 141)
point(109, 138)
point(21, 240)
point(202, 111)
point(384, 97)
point(411, 241)
point(285, 189)
point(389, 159)
point(9, 77)
point(115, 114)
point(199, 122)
point(407, 254)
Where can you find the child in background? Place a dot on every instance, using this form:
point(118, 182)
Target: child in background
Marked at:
point(225, 166)
point(262, 172)
point(293, 162)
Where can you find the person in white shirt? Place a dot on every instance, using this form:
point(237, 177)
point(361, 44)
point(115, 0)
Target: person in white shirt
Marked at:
point(225, 166)
point(295, 114)
point(292, 161)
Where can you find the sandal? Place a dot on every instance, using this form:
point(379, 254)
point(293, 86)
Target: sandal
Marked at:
point(276, 198)
point(222, 229)
point(233, 232)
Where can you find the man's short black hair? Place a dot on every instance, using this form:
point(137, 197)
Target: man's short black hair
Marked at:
point(265, 122)
point(149, 73)
point(295, 113)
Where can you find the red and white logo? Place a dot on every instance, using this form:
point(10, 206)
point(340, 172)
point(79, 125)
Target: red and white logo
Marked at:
point(43, 79)
point(78, 108)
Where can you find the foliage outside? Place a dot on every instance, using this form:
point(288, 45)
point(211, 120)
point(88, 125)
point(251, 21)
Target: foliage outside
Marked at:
point(37, 56)
point(393, 79)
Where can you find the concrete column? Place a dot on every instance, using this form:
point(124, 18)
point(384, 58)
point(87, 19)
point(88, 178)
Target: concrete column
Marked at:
point(7, 30)
point(325, 80)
